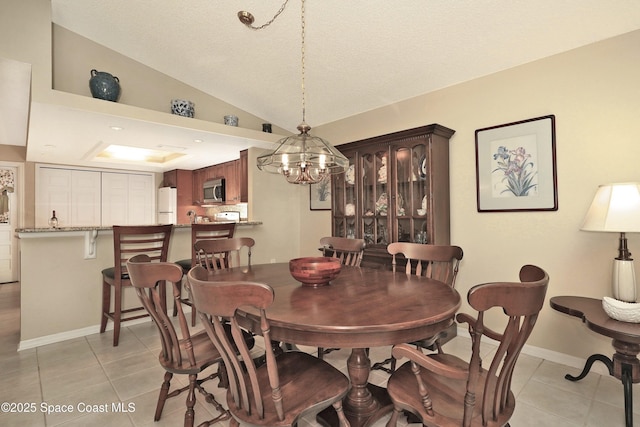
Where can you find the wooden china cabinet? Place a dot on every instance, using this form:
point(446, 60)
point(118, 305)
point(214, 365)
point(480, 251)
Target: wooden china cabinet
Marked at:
point(396, 189)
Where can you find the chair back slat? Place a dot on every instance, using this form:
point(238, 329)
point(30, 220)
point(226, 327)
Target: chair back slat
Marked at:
point(219, 301)
point(209, 231)
point(438, 262)
point(146, 277)
point(521, 302)
point(223, 253)
point(151, 240)
point(348, 251)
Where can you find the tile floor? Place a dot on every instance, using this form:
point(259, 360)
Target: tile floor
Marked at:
point(88, 371)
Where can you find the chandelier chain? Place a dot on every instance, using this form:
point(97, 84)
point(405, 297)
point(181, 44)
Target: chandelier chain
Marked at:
point(302, 52)
point(266, 24)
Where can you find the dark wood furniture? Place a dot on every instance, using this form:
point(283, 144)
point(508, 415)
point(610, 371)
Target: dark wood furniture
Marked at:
point(182, 353)
point(128, 241)
point(407, 308)
point(439, 262)
point(202, 232)
point(235, 174)
point(444, 390)
point(381, 196)
point(625, 365)
point(182, 181)
point(206, 231)
point(349, 252)
point(221, 254)
point(284, 389)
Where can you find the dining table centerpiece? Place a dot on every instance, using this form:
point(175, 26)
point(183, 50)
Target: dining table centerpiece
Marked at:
point(314, 271)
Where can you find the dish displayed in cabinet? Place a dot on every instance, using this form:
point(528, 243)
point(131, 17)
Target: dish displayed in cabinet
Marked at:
point(397, 186)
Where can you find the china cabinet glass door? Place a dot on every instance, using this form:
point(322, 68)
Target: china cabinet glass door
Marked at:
point(345, 202)
point(375, 198)
point(396, 189)
point(412, 184)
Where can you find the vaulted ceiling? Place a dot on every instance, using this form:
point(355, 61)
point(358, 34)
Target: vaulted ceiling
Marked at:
point(359, 55)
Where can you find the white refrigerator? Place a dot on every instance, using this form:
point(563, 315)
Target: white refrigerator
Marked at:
point(167, 203)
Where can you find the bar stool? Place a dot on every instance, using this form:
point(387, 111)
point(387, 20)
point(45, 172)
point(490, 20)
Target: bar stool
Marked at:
point(128, 241)
point(205, 231)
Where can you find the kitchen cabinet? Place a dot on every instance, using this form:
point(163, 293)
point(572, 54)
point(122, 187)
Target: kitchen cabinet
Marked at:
point(73, 194)
point(235, 174)
point(396, 189)
point(182, 181)
point(243, 175)
point(230, 174)
point(83, 197)
point(200, 176)
point(127, 199)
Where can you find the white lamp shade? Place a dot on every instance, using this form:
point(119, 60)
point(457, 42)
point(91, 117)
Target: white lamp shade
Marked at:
point(615, 208)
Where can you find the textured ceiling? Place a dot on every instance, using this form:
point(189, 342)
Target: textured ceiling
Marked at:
point(360, 55)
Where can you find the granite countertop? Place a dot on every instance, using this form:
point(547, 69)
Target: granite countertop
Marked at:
point(99, 228)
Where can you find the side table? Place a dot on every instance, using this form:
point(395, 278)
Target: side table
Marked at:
point(626, 342)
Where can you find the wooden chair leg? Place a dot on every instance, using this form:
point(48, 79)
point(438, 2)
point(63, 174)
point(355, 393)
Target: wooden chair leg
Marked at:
point(342, 419)
point(393, 421)
point(164, 391)
point(189, 415)
point(117, 314)
point(106, 305)
point(175, 303)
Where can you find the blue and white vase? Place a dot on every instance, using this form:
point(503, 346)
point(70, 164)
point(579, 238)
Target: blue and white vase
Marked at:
point(231, 120)
point(182, 107)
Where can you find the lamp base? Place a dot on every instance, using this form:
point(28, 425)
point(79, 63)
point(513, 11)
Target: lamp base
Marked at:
point(624, 280)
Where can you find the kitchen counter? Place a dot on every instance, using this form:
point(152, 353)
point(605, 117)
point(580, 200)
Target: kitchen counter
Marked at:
point(61, 283)
point(22, 231)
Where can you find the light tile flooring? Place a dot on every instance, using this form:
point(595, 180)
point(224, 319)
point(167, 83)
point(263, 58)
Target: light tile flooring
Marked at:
point(88, 372)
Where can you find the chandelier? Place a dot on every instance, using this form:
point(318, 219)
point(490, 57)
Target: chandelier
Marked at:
point(302, 158)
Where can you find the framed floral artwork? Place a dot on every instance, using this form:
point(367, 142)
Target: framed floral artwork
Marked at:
point(516, 166)
point(320, 195)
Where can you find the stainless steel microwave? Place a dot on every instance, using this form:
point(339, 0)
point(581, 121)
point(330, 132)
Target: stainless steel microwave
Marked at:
point(213, 191)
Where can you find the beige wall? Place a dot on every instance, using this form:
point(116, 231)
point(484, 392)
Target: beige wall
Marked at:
point(61, 297)
point(74, 57)
point(25, 35)
point(594, 93)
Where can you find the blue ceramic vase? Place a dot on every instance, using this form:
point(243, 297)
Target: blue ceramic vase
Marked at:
point(104, 86)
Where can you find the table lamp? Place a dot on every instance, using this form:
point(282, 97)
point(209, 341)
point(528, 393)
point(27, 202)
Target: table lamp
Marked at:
point(616, 208)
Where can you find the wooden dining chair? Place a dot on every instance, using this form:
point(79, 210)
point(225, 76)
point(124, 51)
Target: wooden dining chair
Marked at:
point(349, 252)
point(215, 255)
point(221, 254)
point(203, 231)
point(206, 231)
point(444, 390)
point(128, 241)
point(182, 353)
point(439, 262)
point(286, 387)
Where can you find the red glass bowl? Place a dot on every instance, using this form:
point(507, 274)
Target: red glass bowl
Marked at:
point(315, 271)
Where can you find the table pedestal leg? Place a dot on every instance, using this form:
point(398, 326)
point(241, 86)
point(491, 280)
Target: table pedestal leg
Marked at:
point(365, 403)
point(587, 366)
point(625, 366)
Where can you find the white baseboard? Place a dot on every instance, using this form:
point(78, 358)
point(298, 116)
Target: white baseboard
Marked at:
point(550, 355)
point(68, 335)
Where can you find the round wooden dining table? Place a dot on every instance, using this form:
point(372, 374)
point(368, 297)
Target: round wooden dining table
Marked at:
point(361, 308)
